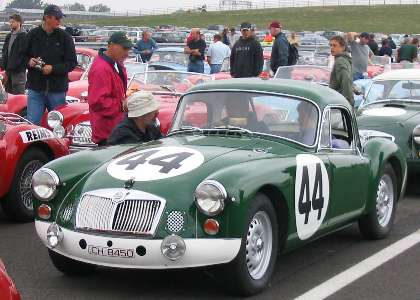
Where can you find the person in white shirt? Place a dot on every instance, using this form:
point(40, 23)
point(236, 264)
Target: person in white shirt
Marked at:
point(217, 53)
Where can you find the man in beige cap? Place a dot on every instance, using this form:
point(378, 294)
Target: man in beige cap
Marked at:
point(140, 126)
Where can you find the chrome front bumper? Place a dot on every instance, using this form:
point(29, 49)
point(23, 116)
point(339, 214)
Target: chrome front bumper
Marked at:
point(199, 252)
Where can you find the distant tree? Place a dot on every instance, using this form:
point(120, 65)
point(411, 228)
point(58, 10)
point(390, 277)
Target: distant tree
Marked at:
point(26, 4)
point(99, 8)
point(75, 7)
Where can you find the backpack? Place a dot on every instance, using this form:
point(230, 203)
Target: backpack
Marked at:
point(293, 55)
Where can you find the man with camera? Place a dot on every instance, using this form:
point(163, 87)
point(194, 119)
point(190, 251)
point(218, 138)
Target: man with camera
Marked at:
point(51, 56)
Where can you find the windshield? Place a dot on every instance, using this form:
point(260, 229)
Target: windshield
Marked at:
point(276, 115)
point(393, 89)
point(306, 73)
point(134, 68)
point(170, 56)
point(167, 81)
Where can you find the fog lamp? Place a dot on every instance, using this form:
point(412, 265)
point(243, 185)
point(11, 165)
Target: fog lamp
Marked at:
point(173, 247)
point(54, 118)
point(416, 134)
point(59, 131)
point(54, 235)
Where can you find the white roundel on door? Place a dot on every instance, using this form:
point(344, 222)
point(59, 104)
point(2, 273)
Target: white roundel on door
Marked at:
point(312, 193)
point(155, 163)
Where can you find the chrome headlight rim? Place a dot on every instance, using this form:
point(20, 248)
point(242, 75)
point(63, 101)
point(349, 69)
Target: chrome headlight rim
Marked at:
point(222, 199)
point(54, 118)
point(54, 187)
point(416, 134)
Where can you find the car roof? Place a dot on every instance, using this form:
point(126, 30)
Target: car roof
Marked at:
point(319, 94)
point(403, 74)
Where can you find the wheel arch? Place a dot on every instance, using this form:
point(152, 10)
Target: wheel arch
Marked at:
point(279, 202)
point(398, 169)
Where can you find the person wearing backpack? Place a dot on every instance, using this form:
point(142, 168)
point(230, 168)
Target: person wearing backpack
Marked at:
point(280, 50)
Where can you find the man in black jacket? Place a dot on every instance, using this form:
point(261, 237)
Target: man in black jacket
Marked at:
point(140, 126)
point(50, 56)
point(13, 59)
point(280, 50)
point(246, 59)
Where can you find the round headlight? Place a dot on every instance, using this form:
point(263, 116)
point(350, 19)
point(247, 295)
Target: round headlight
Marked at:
point(59, 131)
point(54, 119)
point(44, 184)
point(210, 197)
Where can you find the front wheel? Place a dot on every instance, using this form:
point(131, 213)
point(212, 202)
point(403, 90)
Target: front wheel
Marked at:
point(70, 266)
point(378, 223)
point(250, 272)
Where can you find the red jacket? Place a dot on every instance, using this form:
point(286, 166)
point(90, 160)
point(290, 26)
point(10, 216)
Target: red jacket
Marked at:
point(105, 95)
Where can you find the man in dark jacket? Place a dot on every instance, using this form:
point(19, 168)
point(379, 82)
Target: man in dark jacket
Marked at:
point(373, 45)
point(246, 59)
point(140, 126)
point(50, 56)
point(341, 75)
point(280, 49)
point(13, 59)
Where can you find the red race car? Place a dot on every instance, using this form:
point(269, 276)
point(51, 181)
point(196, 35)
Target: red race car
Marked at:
point(8, 290)
point(24, 148)
point(73, 121)
point(84, 57)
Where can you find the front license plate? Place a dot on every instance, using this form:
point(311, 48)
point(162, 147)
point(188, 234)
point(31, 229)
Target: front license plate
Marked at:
point(111, 252)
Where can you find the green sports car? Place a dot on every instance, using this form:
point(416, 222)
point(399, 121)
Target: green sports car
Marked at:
point(250, 168)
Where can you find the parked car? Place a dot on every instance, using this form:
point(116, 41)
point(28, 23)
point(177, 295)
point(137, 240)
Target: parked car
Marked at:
point(8, 290)
point(233, 183)
point(172, 58)
point(24, 148)
point(392, 107)
point(84, 58)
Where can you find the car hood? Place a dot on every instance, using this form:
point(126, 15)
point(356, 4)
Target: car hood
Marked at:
point(376, 116)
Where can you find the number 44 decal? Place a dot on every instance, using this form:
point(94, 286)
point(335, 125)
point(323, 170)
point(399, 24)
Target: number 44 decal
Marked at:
point(311, 194)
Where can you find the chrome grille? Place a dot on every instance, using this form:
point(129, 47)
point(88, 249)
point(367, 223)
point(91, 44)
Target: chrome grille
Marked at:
point(141, 218)
point(82, 134)
point(119, 210)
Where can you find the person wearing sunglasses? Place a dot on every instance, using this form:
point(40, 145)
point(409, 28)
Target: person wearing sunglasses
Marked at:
point(50, 56)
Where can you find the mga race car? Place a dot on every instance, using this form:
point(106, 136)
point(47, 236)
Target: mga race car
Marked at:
point(231, 185)
point(24, 148)
point(391, 108)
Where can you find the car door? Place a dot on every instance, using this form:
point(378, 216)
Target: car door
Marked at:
point(349, 169)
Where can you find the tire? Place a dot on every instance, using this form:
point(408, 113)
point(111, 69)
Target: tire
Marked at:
point(377, 224)
point(18, 203)
point(243, 279)
point(68, 266)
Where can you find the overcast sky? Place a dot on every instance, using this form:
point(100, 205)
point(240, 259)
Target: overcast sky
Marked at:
point(124, 5)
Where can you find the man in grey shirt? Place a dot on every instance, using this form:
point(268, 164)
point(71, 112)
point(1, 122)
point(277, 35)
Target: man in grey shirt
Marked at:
point(360, 53)
point(13, 60)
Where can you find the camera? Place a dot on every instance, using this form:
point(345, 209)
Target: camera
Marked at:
point(39, 64)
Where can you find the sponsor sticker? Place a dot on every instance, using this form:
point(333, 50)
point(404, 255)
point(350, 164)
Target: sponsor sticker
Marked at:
point(111, 252)
point(33, 135)
point(312, 192)
point(155, 163)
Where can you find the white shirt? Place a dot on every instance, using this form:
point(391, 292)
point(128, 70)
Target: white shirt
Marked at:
point(218, 52)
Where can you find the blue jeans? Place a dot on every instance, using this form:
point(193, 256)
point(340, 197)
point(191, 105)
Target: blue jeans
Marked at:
point(215, 68)
point(197, 66)
point(357, 76)
point(38, 101)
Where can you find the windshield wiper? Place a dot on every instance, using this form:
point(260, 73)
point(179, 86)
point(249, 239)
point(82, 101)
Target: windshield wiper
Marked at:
point(166, 87)
point(233, 128)
point(187, 129)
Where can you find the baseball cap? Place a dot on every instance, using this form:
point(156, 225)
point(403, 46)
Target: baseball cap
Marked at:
point(120, 38)
point(364, 35)
point(53, 10)
point(275, 24)
point(246, 26)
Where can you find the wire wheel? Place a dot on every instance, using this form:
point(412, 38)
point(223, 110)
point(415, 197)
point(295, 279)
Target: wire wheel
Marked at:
point(385, 200)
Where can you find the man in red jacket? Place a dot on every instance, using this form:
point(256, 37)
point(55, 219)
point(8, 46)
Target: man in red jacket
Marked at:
point(107, 87)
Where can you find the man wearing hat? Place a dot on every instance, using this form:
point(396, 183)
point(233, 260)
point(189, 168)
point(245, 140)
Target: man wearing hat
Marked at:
point(280, 50)
point(360, 53)
point(140, 126)
point(246, 59)
point(50, 55)
point(107, 87)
